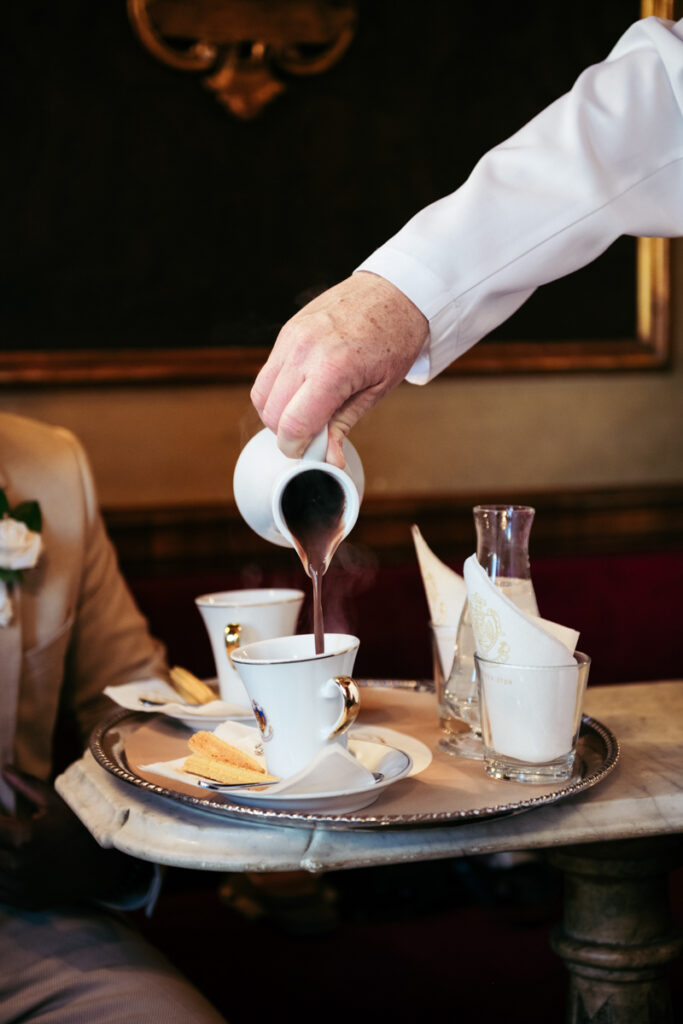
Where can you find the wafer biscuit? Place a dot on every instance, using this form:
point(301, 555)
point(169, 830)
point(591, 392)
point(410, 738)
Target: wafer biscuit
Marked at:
point(221, 771)
point(207, 744)
point(190, 688)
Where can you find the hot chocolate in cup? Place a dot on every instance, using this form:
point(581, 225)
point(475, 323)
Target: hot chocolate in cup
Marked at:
point(234, 618)
point(303, 701)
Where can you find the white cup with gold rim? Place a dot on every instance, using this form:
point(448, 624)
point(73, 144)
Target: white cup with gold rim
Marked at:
point(303, 701)
point(234, 618)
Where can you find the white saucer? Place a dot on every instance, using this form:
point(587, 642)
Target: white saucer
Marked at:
point(199, 716)
point(404, 756)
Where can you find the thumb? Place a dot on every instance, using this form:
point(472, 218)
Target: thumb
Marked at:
point(346, 417)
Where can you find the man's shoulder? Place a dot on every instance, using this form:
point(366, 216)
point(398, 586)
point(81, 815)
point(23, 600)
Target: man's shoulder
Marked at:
point(33, 437)
point(39, 455)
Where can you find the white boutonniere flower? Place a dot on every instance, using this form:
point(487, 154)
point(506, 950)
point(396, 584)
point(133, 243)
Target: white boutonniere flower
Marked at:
point(20, 547)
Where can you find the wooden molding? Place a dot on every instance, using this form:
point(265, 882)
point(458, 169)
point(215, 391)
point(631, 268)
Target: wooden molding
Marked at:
point(333, 23)
point(650, 350)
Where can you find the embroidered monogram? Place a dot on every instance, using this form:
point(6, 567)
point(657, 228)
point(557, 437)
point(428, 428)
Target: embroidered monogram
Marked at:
point(488, 632)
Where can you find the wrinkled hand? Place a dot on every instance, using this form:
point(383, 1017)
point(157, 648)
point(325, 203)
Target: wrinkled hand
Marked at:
point(47, 857)
point(335, 359)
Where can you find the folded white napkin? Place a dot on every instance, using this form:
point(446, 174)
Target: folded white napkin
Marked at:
point(505, 633)
point(532, 715)
point(333, 769)
point(445, 639)
point(128, 695)
point(445, 589)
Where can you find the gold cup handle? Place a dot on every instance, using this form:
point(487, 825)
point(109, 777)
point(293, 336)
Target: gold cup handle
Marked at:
point(351, 695)
point(232, 638)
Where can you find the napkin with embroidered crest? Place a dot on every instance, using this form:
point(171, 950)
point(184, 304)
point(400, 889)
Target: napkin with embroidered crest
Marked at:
point(506, 634)
point(446, 594)
point(333, 769)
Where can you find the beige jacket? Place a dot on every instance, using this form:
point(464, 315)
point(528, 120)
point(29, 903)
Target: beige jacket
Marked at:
point(75, 628)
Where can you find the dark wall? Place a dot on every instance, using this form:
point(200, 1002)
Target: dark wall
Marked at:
point(138, 212)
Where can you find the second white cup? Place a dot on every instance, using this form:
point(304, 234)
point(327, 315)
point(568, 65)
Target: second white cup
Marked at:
point(302, 701)
point(234, 618)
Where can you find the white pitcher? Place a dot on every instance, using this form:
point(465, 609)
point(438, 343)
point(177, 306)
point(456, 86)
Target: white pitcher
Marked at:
point(262, 473)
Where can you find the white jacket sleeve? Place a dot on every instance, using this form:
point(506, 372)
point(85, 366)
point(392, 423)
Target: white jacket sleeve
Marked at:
point(602, 161)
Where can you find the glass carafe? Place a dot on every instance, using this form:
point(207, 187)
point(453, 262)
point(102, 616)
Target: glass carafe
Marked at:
point(503, 551)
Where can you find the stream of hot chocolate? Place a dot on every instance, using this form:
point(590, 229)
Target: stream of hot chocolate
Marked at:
point(313, 506)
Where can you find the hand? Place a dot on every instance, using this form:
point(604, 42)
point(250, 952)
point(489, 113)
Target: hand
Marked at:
point(335, 359)
point(47, 857)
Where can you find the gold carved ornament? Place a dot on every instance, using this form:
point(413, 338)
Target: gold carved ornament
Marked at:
point(247, 48)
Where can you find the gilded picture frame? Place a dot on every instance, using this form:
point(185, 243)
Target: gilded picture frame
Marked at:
point(647, 348)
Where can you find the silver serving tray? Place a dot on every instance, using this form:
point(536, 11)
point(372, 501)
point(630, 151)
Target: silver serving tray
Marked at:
point(598, 753)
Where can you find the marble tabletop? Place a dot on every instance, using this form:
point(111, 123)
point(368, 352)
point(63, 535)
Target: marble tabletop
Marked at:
point(643, 796)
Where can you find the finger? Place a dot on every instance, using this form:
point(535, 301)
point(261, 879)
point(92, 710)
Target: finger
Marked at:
point(285, 388)
point(335, 452)
point(279, 372)
point(347, 416)
point(264, 382)
point(26, 785)
point(312, 406)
